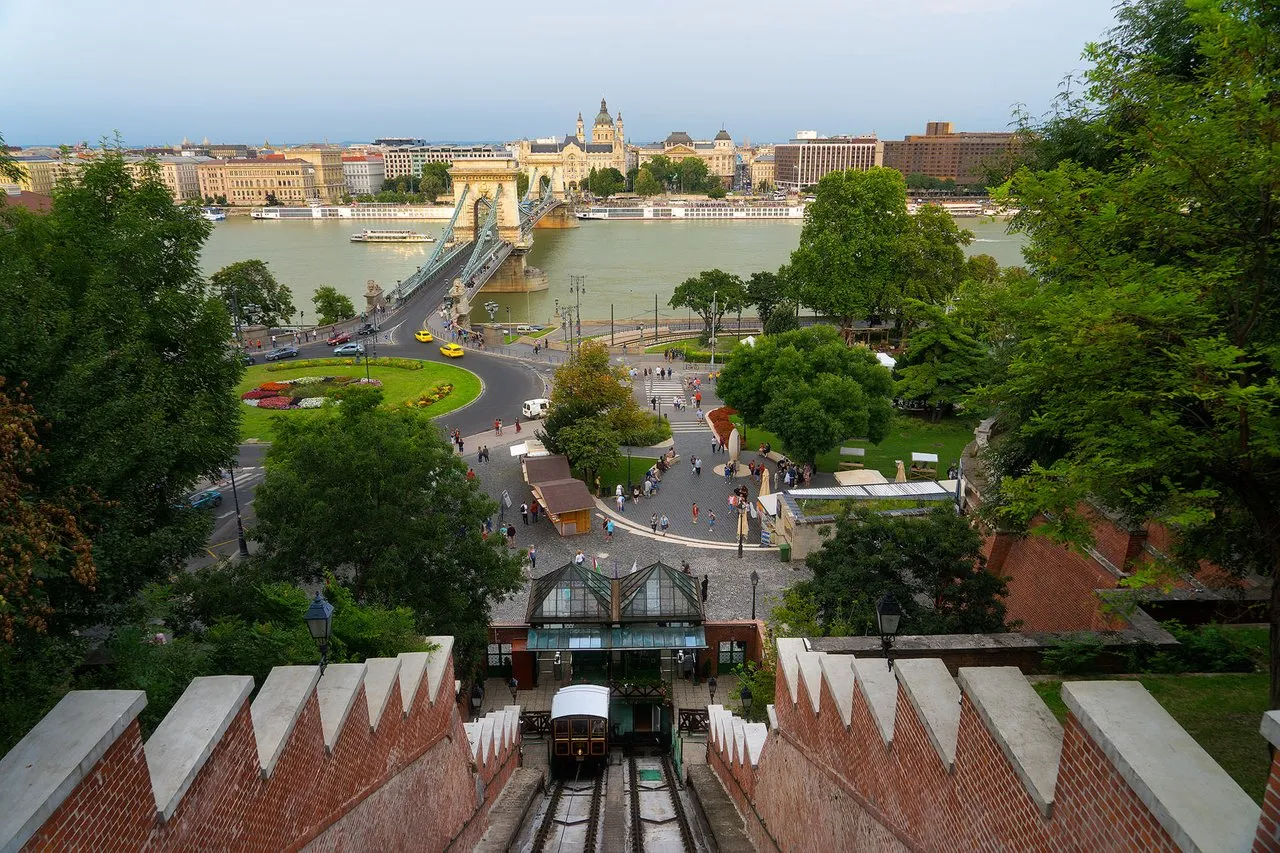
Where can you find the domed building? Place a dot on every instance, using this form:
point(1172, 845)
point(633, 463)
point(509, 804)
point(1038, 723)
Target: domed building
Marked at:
point(568, 160)
point(720, 154)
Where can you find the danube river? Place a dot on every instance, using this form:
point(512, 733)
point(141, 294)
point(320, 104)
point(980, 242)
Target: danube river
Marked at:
point(625, 263)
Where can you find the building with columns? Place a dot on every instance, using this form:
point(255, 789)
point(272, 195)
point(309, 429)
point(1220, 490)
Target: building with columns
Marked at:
point(720, 154)
point(569, 160)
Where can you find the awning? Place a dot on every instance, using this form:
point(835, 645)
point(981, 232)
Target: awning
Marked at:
point(626, 638)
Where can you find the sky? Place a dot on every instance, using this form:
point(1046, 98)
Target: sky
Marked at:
point(495, 70)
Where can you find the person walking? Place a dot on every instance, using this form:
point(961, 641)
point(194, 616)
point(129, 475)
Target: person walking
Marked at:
point(697, 466)
point(653, 523)
point(533, 557)
point(511, 536)
point(695, 512)
point(497, 426)
point(621, 500)
point(608, 530)
point(524, 513)
point(517, 423)
point(728, 471)
point(711, 521)
point(664, 523)
point(533, 511)
point(579, 558)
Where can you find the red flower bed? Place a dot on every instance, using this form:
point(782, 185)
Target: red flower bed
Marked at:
point(274, 403)
point(719, 420)
point(257, 394)
point(275, 387)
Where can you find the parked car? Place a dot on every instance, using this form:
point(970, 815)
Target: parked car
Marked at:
point(248, 359)
point(338, 338)
point(366, 329)
point(281, 352)
point(349, 349)
point(424, 336)
point(536, 408)
point(523, 329)
point(207, 499)
point(452, 351)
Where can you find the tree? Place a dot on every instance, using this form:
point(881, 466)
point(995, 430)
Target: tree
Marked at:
point(378, 499)
point(783, 319)
point(715, 189)
point(692, 175)
point(646, 184)
point(110, 331)
point(942, 363)
point(848, 263)
point(522, 183)
point(664, 171)
point(435, 181)
point(766, 290)
point(605, 182)
point(590, 444)
point(764, 187)
point(251, 287)
point(710, 294)
point(271, 200)
point(10, 169)
point(332, 306)
point(1145, 372)
point(809, 389)
point(587, 386)
point(933, 262)
point(632, 173)
point(932, 564)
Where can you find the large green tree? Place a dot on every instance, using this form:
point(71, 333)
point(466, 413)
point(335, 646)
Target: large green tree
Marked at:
point(932, 564)
point(710, 294)
point(942, 363)
point(436, 181)
point(250, 287)
point(646, 184)
point(605, 182)
point(108, 324)
point(809, 389)
point(378, 499)
point(588, 387)
point(332, 306)
point(1145, 375)
point(767, 290)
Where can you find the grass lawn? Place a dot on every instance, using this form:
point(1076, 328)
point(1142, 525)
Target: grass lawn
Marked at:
point(398, 385)
point(1222, 712)
point(906, 434)
point(611, 477)
point(721, 340)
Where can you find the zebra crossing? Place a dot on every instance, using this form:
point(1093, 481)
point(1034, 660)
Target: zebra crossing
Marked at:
point(665, 390)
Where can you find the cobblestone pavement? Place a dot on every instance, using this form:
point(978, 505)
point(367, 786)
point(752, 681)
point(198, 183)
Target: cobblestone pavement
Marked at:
point(709, 550)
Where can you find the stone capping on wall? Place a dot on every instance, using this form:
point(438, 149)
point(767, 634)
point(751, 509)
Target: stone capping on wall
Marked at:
point(1184, 790)
point(43, 770)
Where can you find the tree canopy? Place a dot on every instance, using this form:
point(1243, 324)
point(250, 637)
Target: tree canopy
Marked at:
point(1144, 372)
point(378, 499)
point(605, 182)
point(710, 294)
point(332, 306)
point(109, 327)
point(809, 389)
point(932, 564)
point(588, 388)
point(251, 287)
point(646, 184)
point(942, 363)
point(435, 180)
point(767, 291)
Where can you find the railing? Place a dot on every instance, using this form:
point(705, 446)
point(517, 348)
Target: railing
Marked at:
point(693, 720)
point(535, 723)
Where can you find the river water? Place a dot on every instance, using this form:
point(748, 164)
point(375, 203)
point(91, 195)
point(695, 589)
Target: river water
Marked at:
point(625, 263)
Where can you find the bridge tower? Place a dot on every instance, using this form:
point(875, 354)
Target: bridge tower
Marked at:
point(489, 180)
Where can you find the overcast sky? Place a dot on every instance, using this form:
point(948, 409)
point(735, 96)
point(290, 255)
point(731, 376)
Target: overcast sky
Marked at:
point(236, 71)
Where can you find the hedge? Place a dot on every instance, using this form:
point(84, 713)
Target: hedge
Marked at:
point(402, 363)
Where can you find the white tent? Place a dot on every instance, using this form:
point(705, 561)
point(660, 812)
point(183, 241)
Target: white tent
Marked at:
point(886, 359)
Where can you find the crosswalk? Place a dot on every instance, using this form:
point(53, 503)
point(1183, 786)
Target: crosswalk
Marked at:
point(687, 427)
point(665, 390)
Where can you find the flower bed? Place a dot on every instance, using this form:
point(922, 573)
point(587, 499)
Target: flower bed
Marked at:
point(435, 395)
point(402, 363)
point(719, 420)
point(305, 392)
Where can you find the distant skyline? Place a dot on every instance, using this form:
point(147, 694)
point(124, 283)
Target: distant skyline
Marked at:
point(240, 72)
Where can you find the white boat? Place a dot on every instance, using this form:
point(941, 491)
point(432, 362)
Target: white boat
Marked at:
point(212, 214)
point(695, 211)
point(372, 210)
point(372, 235)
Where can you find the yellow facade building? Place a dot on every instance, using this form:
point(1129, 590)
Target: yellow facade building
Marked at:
point(720, 154)
point(331, 182)
point(568, 161)
point(291, 180)
point(41, 174)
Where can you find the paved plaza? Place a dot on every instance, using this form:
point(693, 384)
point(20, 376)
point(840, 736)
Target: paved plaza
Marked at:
point(709, 550)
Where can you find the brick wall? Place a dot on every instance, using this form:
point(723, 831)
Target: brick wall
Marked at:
point(978, 782)
point(421, 779)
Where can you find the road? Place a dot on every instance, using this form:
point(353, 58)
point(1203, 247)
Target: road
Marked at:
point(223, 542)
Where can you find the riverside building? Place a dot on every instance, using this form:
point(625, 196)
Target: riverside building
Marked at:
point(942, 153)
point(806, 159)
point(409, 159)
point(249, 182)
point(364, 173)
point(719, 154)
point(567, 161)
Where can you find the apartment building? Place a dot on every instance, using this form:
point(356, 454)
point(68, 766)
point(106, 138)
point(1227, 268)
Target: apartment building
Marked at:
point(942, 153)
point(806, 159)
point(291, 180)
point(409, 159)
point(364, 173)
point(177, 173)
point(40, 174)
point(331, 182)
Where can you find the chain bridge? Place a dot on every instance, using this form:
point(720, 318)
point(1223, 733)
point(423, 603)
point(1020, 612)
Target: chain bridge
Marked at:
point(489, 234)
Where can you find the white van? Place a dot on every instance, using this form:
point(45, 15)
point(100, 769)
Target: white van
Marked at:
point(523, 329)
point(536, 408)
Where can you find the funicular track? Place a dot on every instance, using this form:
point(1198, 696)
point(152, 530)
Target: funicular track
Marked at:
point(653, 814)
point(563, 828)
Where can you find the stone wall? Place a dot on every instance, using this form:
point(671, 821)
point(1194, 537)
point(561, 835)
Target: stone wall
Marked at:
point(915, 759)
point(367, 756)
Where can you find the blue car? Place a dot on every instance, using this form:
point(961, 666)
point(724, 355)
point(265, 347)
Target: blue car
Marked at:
point(207, 499)
point(349, 349)
point(281, 352)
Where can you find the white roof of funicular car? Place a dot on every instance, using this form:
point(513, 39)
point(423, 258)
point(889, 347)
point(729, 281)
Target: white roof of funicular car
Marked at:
point(589, 700)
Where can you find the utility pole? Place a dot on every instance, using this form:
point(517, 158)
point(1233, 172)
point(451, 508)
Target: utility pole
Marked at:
point(714, 294)
point(578, 284)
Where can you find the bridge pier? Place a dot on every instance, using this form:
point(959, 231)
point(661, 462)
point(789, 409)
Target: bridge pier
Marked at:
point(516, 276)
point(561, 217)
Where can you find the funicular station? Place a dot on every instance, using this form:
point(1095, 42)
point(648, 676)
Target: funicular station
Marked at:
point(630, 636)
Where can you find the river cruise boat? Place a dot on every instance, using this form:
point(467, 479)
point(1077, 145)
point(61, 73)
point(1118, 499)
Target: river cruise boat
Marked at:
point(696, 211)
point(212, 214)
point(371, 235)
point(371, 210)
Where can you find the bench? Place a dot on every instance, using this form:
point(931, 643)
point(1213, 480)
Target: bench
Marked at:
point(924, 466)
point(858, 461)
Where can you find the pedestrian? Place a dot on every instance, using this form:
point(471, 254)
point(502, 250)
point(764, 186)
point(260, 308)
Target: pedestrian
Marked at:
point(511, 536)
point(479, 455)
point(653, 523)
point(533, 511)
point(471, 474)
point(653, 403)
point(273, 340)
point(579, 558)
point(715, 442)
point(497, 426)
point(599, 492)
point(517, 423)
point(608, 530)
point(524, 513)
point(697, 466)
point(728, 471)
point(695, 512)
point(711, 520)
point(460, 450)
point(697, 398)
point(533, 557)
point(621, 501)
point(618, 491)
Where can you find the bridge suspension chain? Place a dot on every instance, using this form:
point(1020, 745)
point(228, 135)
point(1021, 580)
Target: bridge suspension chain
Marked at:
point(485, 240)
point(442, 255)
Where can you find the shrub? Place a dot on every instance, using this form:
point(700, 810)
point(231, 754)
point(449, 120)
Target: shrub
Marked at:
point(1073, 655)
point(1206, 648)
point(402, 363)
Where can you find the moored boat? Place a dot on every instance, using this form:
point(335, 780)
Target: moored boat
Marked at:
point(374, 235)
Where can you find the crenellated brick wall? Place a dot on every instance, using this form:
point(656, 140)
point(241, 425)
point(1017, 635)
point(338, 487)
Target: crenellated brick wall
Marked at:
point(369, 756)
point(914, 759)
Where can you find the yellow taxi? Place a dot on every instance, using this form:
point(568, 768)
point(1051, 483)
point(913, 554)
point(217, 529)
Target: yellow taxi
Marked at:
point(424, 336)
point(452, 351)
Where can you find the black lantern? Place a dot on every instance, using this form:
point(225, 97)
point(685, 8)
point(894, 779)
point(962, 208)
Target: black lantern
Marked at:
point(745, 696)
point(320, 623)
point(711, 685)
point(755, 582)
point(888, 615)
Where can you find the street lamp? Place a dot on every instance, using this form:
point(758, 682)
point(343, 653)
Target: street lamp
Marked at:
point(235, 497)
point(755, 582)
point(714, 294)
point(888, 615)
point(711, 686)
point(742, 527)
point(578, 286)
point(320, 623)
point(745, 697)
